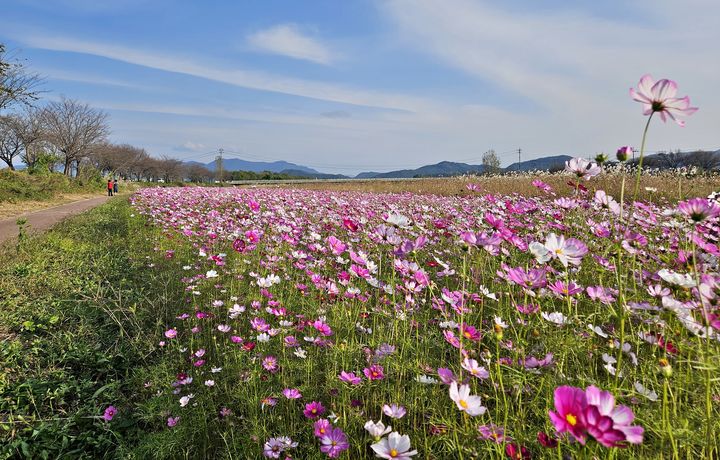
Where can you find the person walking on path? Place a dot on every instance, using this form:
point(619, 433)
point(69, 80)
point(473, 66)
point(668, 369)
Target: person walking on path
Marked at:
point(110, 187)
point(115, 186)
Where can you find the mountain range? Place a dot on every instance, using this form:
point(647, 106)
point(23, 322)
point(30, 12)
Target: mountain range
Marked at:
point(441, 169)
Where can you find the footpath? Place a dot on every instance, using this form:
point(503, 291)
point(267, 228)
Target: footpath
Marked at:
point(45, 218)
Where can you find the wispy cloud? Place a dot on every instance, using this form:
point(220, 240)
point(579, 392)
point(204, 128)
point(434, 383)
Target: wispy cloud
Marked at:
point(55, 74)
point(289, 40)
point(238, 77)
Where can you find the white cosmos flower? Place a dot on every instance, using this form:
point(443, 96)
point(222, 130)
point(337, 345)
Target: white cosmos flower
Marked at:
point(555, 317)
point(649, 394)
point(394, 447)
point(683, 280)
point(466, 402)
point(539, 251)
point(426, 379)
point(300, 353)
point(398, 220)
point(377, 430)
point(211, 274)
point(185, 400)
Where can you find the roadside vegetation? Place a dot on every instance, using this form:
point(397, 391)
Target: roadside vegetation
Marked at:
point(79, 310)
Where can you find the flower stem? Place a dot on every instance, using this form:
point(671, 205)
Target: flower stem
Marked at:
point(642, 155)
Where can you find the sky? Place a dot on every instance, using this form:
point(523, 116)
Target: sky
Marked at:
point(374, 85)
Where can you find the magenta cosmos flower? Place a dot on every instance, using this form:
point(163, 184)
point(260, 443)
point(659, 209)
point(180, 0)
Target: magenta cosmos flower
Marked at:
point(314, 409)
point(593, 412)
point(109, 413)
point(374, 372)
point(570, 404)
point(660, 97)
point(607, 423)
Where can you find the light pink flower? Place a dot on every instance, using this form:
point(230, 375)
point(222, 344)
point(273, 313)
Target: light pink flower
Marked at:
point(660, 97)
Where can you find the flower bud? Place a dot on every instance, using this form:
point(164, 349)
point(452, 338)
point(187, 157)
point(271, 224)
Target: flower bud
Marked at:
point(665, 367)
point(624, 153)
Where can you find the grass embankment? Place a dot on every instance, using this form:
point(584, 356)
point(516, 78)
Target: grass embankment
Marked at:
point(79, 310)
point(18, 186)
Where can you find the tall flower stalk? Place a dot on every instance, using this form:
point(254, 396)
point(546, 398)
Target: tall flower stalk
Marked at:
point(658, 97)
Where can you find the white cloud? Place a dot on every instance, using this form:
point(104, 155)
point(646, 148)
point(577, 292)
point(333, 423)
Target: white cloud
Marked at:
point(238, 77)
point(573, 68)
point(288, 40)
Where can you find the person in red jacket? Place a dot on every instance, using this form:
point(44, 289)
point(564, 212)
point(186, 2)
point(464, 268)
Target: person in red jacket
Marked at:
point(110, 187)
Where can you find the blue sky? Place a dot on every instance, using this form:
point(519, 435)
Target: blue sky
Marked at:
point(349, 86)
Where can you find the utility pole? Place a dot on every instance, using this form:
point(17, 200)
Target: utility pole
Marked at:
point(219, 165)
point(518, 163)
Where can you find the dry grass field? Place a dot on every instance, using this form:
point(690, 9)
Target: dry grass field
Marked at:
point(660, 188)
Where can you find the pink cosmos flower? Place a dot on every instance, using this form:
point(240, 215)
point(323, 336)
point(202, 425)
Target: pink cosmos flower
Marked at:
point(334, 443)
point(350, 377)
point(109, 413)
point(337, 246)
point(374, 372)
point(322, 328)
point(446, 375)
point(314, 409)
point(476, 370)
point(660, 97)
point(321, 427)
point(172, 421)
point(270, 364)
point(699, 209)
point(563, 289)
point(292, 393)
point(171, 333)
point(494, 433)
point(625, 152)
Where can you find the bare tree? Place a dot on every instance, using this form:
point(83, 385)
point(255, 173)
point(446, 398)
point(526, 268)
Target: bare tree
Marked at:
point(170, 169)
point(490, 162)
point(198, 173)
point(17, 84)
point(31, 133)
point(10, 144)
point(74, 129)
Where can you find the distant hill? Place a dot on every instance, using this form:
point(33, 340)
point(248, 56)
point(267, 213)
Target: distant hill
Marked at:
point(544, 164)
point(705, 159)
point(442, 169)
point(236, 164)
point(315, 175)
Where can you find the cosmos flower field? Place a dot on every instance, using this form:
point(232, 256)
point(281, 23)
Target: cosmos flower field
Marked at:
point(318, 324)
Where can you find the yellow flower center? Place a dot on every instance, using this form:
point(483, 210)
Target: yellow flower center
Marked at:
point(393, 453)
point(571, 419)
point(558, 251)
point(463, 404)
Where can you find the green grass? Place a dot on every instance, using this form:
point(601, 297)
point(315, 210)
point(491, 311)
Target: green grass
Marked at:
point(77, 306)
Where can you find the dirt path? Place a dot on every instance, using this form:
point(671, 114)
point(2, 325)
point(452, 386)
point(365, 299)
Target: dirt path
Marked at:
point(46, 218)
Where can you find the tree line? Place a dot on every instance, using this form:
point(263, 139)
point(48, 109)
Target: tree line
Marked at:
point(70, 136)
